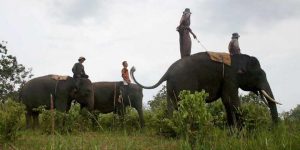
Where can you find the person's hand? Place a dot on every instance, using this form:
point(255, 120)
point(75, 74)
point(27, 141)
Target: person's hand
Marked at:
point(195, 37)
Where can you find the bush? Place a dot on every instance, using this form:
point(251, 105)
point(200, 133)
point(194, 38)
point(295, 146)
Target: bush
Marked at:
point(218, 113)
point(255, 116)
point(10, 119)
point(192, 120)
point(74, 121)
point(111, 121)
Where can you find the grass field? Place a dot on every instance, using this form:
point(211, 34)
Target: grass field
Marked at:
point(283, 137)
point(75, 131)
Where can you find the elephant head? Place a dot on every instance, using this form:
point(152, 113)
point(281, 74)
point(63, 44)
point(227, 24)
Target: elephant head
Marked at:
point(251, 77)
point(85, 94)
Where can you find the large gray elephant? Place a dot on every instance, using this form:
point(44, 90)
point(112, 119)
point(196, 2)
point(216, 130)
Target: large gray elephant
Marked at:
point(37, 91)
point(106, 98)
point(199, 72)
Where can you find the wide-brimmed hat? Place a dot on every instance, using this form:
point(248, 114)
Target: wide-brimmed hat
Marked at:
point(187, 11)
point(81, 58)
point(235, 35)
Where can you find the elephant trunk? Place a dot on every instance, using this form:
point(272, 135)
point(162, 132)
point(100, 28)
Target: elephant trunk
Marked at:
point(267, 93)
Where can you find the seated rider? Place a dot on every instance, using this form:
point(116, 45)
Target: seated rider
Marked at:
point(78, 71)
point(126, 79)
point(233, 46)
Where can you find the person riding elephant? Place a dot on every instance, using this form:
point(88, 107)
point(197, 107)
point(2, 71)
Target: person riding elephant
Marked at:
point(126, 80)
point(219, 80)
point(57, 92)
point(78, 71)
point(233, 46)
point(184, 33)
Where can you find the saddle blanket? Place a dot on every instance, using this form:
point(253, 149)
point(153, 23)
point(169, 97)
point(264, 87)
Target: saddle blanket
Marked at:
point(59, 77)
point(220, 57)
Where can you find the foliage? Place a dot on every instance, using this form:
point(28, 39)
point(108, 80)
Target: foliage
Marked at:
point(255, 113)
point(252, 98)
point(111, 121)
point(293, 115)
point(74, 121)
point(12, 74)
point(192, 120)
point(158, 98)
point(218, 113)
point(10, 122)
point(255, 116)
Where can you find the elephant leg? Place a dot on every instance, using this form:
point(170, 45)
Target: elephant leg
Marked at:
point(170, 106)
point(171, 100)
point(35, 116)
point(28, 119)
point(141, 117)
point(231, 102)
point(121, 114)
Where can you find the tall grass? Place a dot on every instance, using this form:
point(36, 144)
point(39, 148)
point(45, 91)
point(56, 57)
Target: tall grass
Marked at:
point(195, 126)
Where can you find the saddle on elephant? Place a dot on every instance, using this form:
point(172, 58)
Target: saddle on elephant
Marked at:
point(59, 77)
point(220, 57)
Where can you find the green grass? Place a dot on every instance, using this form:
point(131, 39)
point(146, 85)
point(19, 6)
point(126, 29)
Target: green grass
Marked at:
point(281, 137)
point(92, 140)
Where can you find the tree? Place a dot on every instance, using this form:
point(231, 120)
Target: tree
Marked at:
point(252, 98)
point(12, 74)
point(158, 98)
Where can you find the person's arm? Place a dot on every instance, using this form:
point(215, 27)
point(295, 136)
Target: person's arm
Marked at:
point(195, 37)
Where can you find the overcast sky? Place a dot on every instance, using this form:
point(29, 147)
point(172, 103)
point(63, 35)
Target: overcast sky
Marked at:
point(50, 35)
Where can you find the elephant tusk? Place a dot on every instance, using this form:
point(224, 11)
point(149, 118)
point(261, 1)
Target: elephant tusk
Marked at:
point(269, 97)
point(263, 99)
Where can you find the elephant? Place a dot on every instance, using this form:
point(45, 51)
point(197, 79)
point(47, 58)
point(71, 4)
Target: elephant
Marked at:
point(219, 80)
point(106, 98)
point(62, 90)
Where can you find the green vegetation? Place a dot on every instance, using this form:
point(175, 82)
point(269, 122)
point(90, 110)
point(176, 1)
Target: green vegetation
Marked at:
point(12, 74)
point(196, 125)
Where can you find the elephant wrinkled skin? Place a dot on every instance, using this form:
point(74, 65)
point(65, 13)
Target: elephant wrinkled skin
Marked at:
point(199, 72)
point(37, 91)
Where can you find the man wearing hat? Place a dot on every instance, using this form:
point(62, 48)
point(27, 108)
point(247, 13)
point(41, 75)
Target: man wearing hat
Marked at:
point(184, 36)
point(233, 46)
point(78, 69)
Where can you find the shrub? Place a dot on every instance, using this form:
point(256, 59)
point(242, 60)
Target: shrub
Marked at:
point(74, 121)
point(10, 119)
point(192, 120)
point(255, 115)
point(218, 113)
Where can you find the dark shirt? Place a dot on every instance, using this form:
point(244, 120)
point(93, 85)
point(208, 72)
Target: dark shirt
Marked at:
point(78, 71)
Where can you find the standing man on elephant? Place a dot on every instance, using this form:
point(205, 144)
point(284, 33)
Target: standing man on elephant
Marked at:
point(233, 46)
point(184, 34)
point(78, 71)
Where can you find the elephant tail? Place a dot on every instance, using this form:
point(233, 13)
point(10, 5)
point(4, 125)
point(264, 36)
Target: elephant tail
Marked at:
point(162, 79)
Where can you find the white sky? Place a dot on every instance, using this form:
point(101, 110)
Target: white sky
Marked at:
point(50, 35)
